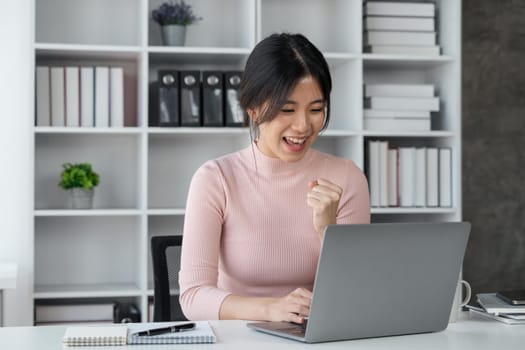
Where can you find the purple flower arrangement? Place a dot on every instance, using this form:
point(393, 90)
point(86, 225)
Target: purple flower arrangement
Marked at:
point(171, 12)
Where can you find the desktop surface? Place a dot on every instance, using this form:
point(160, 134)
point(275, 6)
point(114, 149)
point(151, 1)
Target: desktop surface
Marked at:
point(470, 332)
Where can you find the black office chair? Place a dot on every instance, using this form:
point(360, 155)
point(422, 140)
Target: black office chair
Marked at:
point(165, 252)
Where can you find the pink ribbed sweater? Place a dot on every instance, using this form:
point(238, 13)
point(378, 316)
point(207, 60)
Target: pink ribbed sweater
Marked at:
point(248, 229)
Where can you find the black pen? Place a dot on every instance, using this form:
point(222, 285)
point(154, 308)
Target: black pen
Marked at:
point(171, 329)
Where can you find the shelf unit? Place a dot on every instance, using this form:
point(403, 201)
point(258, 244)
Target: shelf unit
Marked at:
point(145, 171)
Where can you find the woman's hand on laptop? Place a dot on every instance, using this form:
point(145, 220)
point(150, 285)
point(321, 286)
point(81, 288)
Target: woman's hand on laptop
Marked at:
point(293, 307)
point(323, 198)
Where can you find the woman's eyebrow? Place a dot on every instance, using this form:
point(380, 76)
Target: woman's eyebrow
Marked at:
point(312, 102)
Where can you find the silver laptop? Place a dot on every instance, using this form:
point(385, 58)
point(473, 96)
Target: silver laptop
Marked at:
point(379, 280)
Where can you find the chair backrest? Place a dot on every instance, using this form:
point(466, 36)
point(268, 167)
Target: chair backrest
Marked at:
point(165, 253)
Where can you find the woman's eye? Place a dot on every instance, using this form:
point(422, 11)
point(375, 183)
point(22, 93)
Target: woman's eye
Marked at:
point(316, 110)
point(287, 110)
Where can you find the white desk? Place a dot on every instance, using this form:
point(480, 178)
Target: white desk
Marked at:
point(471, 332)
point(8, 272)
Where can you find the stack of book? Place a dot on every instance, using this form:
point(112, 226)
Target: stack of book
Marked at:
point(405, 28)
point(399, 107)
point(490, 305)
point(79, 96)
point(409, 176)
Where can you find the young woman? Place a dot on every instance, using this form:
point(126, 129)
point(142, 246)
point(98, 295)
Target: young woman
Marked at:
point(255, 218)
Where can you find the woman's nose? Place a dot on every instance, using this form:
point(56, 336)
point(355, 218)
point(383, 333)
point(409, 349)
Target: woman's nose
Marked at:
point(301, 122)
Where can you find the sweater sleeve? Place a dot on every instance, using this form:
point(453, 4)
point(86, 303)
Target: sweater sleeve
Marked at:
point(354, 207)
point(200, 297)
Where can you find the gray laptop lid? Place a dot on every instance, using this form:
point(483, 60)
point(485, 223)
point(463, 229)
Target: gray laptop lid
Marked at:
point(378, 280)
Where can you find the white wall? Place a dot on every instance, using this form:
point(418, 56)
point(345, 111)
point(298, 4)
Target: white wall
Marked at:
point(16, 153)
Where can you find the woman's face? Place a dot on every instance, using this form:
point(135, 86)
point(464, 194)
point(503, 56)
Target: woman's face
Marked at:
point(293, 131)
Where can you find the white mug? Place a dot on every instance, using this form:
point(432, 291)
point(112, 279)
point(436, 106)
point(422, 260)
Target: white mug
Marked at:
point(458, 301)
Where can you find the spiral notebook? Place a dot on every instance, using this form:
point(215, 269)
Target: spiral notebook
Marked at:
point(95, 335)
point(126, 334)
point(202, 333)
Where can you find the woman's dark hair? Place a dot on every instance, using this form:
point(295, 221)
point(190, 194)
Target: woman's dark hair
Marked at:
point(273, 69)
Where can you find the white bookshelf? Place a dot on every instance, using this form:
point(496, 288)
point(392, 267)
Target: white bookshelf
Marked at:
point(145, 171)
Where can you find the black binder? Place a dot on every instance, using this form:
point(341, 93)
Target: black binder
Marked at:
point(234, 114)
point(212, 98)
point(190, 96)
point(168, 97)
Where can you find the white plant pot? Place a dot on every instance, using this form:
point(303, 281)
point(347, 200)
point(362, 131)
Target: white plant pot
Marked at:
point(81, 199)
point(173, 35)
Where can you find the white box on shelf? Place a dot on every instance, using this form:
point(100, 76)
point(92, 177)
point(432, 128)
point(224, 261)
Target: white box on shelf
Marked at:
point(74, 312)
point(43, 98)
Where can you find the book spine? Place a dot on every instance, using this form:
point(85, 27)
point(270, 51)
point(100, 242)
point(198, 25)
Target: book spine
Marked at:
point(101, 96)
point(379, 37)
point(420, 190)
point(400, 23)
point(393, 175)
point(445, 177)
point(43, 98)
point(116, 93)
point(383, 173)
point(72, 96)
point(434, 50)
point(385, 113)
point(399, 90)
point(373, 172)
point(432, 177)
point(403, 103)
point(397, 124)
point(58, 100)
point(406, 176)
point(383, 8)
point(87, 98)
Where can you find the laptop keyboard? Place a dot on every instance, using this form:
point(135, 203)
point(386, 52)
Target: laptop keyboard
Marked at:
point(298, 330)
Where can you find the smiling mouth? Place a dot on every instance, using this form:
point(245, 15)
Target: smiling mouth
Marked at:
point(294, 140)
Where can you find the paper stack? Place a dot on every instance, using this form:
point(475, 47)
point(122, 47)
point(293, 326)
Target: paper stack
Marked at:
point(399, 107)
point(407, 28)
point(491, 306)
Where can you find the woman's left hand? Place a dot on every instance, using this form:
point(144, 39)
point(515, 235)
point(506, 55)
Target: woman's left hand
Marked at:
point(323, 198)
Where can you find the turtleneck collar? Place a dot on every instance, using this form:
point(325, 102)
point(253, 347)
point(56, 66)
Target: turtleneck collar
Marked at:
point(269, 165)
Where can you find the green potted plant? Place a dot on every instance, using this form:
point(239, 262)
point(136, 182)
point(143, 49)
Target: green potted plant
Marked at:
point(173, 17)
point(80, 180)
